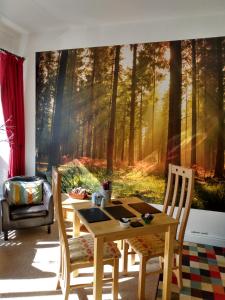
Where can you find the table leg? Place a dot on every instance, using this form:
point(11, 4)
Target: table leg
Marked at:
point(76, 225)
point(98, 268)
point(168, 263)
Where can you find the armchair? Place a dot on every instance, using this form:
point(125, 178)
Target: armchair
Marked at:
point(29, 214)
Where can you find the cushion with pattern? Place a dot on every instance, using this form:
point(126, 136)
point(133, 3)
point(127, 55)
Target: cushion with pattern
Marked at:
point(23, 192)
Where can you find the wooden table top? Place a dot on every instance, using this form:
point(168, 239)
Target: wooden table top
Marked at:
point(112, 230)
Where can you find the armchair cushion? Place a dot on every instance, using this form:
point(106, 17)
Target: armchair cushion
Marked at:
point(24, 192)
point(27, 211)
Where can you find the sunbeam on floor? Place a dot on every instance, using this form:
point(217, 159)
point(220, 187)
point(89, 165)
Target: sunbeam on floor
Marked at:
point(29, 264)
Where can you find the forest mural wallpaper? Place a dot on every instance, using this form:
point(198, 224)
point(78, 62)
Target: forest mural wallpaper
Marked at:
point(124, 112)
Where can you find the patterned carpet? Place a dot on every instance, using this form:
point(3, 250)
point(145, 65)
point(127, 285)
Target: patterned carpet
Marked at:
point(203, 274)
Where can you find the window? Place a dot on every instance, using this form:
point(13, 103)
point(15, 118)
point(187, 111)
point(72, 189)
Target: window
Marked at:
point(4, 150)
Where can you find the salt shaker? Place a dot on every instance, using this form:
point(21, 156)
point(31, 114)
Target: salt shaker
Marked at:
point(93, 199)
point(103, 202)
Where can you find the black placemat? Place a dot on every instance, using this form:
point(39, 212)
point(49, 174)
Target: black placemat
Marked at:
point(144, 208)
point(93, 214)
point(118, 212)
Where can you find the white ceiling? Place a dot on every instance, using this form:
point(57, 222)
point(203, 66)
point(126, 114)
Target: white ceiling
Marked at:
point(41, 15)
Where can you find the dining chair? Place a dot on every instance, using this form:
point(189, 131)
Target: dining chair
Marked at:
point(78, 252)
point(177, 204)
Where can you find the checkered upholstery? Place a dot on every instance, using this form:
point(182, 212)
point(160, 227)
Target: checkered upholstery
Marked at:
point(82, 249)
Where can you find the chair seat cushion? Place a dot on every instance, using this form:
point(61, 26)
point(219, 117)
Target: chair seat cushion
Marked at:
point(151, 245)
point(27, 211)
point(82, 249)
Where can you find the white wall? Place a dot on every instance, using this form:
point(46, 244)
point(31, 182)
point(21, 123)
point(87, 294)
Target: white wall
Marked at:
point(10, 39)
point(13, 41)
point(210, 226)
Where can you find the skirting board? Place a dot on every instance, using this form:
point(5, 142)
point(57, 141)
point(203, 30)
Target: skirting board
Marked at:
point(205, 227)
point(204, 239)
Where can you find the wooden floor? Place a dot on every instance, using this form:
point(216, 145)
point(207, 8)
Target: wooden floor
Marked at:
point(29, 264)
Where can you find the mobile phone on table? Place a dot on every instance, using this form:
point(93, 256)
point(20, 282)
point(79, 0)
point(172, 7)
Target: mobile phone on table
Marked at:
point(136, 224)
point(116, 202)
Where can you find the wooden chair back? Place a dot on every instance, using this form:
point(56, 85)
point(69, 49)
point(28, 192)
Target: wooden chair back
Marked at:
point(179, 192)
point(56, 189)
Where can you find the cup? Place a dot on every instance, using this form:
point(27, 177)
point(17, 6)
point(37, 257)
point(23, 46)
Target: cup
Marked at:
point(96, 198)
point(107, 195)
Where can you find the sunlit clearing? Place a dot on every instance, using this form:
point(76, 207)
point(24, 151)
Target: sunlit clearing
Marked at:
point(83, 175)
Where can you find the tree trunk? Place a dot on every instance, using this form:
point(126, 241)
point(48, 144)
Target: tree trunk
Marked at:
point(132, 107)
point(54, 158)
point(206, 108)
point(174, 122)
point(219, 167)
point(111, 132)
point(123, 131)
point(74, 95)
point(91, 109)
point(194, 105)
point(95, 142)
point(153, 104)
point(82, 138)
point(140, 127)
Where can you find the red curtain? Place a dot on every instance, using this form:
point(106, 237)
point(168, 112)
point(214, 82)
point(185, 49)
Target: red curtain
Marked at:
point(11, 84)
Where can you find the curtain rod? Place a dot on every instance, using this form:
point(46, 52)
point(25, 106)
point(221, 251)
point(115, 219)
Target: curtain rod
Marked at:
point(3, 50)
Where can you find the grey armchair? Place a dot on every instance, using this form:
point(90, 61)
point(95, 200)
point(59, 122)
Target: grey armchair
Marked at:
point(30, 215)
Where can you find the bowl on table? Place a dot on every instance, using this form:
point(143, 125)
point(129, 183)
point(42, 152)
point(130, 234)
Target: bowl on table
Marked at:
point(124, 222)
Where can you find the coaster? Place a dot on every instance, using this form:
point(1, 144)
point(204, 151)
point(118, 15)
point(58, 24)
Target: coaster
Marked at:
point(118, 212)
point(143, 208)
point(93, 215)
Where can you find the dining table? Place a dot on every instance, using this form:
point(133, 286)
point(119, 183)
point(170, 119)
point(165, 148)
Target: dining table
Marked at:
point(111, 230)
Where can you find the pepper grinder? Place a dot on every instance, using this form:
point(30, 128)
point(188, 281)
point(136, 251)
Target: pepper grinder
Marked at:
point(103, 202)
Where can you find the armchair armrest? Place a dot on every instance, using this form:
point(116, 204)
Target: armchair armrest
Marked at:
point(47, 194)
point(48, 198)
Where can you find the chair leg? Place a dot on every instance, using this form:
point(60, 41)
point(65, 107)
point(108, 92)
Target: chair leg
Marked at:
point(125, 257)
point(115, 275)
point(59, 269)
point(65, 279)
point(6, 235)
point(133, 258)
point(157, 287)
point(49, 229)
point(120, 244)
point(161, 262)
point(178, 270)
point(67, 286)
point(141, 279)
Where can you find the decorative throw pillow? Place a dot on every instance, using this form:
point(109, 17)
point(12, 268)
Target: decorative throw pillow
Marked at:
point(23, 192)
